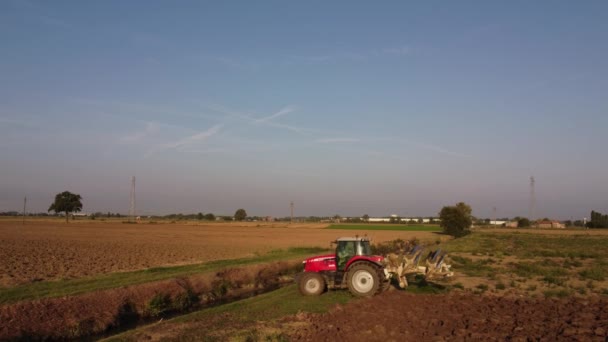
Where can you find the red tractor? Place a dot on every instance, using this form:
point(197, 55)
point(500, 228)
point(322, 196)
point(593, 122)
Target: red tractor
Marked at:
point(352, 267)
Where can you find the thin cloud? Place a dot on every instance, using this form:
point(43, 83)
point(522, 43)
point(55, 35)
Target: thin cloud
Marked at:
point(150, 129)
point(442, 150)
point(426, 146)
point(16, 122)
point(249, 119)
point(39, 13)
point(336, 140)
point(186, 142)
point(282, 112)
point(357, 56)
point(202, 136)
point(396, 51)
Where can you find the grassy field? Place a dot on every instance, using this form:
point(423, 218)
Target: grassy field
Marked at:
point(253, 319)
point(374, 227)
point(549, 265)
point(50, 289)
point(239, 321)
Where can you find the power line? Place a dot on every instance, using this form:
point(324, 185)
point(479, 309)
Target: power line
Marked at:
point(291, 207)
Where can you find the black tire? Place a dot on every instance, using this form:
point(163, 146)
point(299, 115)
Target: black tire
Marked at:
point(386, 285)
point(363, 280)
point(311, 284)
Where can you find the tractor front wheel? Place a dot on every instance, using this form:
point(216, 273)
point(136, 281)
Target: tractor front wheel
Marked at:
point(311, 284)
point(363, 280)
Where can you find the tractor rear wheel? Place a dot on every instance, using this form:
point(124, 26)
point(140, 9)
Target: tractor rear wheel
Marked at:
point(311, 284)
point(363, 280)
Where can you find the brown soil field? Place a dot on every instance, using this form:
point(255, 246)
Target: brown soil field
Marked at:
point(51, 249)
point(398, 316)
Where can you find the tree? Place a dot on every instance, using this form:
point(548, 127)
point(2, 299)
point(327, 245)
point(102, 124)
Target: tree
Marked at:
point(523, 222)
point(366, 218)
point(199, 216)
point(210, 217)
point(240, 215)
point(66, 202)
point(598, 220)
point(456, 220)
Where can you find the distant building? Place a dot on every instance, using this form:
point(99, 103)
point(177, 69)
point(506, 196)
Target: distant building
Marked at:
point(78, 214)
point(550, 224)
point(497, 223)
point(379, 219)
point(511, 224)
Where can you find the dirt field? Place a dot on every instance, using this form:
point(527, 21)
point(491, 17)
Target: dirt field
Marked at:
point(398, 316)
point(48, 250)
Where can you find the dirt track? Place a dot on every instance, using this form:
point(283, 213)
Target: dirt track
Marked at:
point(398, 316)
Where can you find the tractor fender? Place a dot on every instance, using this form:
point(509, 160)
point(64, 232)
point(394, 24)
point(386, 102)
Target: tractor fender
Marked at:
point(374, 260)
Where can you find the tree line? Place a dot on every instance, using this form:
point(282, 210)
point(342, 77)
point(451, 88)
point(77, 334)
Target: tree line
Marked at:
point(455, 220)
point(598, 220)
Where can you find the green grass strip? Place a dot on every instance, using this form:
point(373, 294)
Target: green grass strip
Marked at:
point(70, 287)
point(403, 227)
point(266, 307)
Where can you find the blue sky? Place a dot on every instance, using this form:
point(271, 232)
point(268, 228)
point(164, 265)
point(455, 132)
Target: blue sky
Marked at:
point(345, 107)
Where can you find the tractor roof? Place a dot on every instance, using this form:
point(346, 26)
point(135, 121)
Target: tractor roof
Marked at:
point(350, 238)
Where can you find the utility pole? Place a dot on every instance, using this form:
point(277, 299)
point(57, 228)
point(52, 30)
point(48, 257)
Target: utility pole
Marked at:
point(24, 204)
point(532, 208)
point(132, 200)
point(291, 207)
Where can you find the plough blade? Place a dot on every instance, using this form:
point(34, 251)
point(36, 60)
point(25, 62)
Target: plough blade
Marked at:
point(407, 262)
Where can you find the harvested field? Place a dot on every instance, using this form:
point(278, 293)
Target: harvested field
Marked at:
point(51, 249)
point(398, 316)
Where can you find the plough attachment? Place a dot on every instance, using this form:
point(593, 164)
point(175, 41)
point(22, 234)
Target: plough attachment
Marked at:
point(408, 260)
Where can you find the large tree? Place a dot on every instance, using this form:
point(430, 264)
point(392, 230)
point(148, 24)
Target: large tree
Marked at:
point(66, 202)
point(523, 222)
point(456, 220)
point(240, 215)
point(598, 220)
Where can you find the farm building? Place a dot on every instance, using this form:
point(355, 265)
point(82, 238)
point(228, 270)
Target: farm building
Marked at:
point(497, 222)
point(379, 219)
point(550, 224)
point(403, 219)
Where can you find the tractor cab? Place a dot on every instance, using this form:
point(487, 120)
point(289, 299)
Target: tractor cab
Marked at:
point(349, 247)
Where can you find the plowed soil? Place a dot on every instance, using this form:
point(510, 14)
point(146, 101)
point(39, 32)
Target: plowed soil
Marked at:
point(50, 250)
point(398, 316)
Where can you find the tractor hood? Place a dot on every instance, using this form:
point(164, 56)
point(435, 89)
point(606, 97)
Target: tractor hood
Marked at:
point(320, 258)
point(319, 263)
point(327, 262)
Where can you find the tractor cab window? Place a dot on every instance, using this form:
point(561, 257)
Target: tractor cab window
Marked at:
point(364, 248)
point(345, 251)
